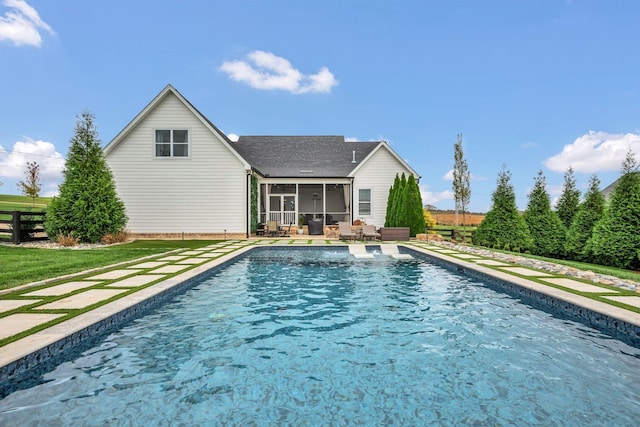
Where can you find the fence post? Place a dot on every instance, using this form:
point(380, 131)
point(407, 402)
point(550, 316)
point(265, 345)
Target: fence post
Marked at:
point(16, 227)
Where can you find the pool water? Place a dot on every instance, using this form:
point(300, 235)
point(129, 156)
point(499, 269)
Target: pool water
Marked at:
point(314, 337)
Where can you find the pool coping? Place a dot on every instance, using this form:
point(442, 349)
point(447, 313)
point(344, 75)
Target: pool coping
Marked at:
point(57, 341)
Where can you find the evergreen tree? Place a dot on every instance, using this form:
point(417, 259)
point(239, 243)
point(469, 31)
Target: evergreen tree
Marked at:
point(87, 206)
point(569, 201)
point(616, 237)
point(390, 214)
point(589, 213)
point(414, 217)
point(503, 227)
point(398, 203)
point(545, 226)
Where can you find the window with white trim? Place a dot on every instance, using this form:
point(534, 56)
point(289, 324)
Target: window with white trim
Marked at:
point(172, 143)
point(364, 202)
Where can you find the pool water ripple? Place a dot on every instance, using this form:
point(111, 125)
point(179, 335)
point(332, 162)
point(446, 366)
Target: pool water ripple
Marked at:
point(286, 337)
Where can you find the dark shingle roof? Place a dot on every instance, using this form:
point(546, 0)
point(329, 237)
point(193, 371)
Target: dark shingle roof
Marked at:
point(302, 156)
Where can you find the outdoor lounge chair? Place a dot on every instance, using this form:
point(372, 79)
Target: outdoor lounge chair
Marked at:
point(272, 228)
point(369, 231)
point(345, 231)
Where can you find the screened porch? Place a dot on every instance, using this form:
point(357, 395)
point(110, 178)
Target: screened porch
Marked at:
point(286, 202)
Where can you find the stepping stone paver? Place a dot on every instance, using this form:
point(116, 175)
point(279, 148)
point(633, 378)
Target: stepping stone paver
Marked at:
point(150, 264)
point(62, 289)
point(115, 274)
point(446, 251)
point(489, 262)
point(466, 256)
point(525, 271)
point(17, 323)
point(169, 269)
point(191, 253)
point(578, 286)
point(10, 304)
point(81, 300)
point(132, 282)
point(191, 261)
point(172, 258)
point(208, 255)
point(630, 300)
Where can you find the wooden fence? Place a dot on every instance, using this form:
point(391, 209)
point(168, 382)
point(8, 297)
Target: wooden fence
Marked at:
point(453, 234)
point(18, 226)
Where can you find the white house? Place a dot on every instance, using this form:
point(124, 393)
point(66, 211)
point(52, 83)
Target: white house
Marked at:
point(176, 172)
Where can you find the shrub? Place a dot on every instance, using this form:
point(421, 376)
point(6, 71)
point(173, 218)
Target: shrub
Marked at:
point(67, 240)
point(119, 237)
point(616, 236)
point(87, 205)
point(589, 213)
point(503, 223)
point(545, 226)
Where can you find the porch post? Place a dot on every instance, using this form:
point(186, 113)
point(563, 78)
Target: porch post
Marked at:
point(324, 203)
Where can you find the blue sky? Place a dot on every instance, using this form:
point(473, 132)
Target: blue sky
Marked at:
point(531, 85)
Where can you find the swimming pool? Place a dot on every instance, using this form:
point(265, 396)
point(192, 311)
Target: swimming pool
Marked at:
point(314, 337)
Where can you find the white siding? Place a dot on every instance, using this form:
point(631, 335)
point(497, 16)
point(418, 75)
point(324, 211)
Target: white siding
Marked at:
point(377, 174)
point(205, 193)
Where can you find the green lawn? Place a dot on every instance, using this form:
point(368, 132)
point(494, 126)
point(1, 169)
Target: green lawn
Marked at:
point(22, 265)
point(22, 203)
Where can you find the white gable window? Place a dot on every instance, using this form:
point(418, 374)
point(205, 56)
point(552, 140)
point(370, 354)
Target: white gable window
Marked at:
point(364, 202)
point(172, 143)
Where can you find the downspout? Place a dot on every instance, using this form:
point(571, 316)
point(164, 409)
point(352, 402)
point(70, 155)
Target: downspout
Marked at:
point(352, 207)
point(248, 204)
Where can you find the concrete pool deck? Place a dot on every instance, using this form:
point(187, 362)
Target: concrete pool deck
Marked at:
point(55, 315)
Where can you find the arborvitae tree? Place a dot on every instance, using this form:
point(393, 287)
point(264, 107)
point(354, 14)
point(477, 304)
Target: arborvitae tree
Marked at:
point(31, 186)
point(398, 214)
point(616, 237)
point(414, 217)
point(390, 214)
point(461, 180)
point(589, 213)
point(87, 206)
point(569, 201)
point(503, 227)
point(544, 224)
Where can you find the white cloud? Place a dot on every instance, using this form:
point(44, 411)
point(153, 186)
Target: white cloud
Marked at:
point(528, 145)
point(350, 139)
point(21, 24)
point(233, 137)
point(264, 70)
point(595, 152)
point(13, 164)
point(432, 198)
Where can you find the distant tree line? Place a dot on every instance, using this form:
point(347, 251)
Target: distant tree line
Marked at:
point(594, 230)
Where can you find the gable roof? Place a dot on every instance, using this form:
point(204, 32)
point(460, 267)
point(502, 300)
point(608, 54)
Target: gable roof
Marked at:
point(154, 103)
point(328, 156)
point(303, 156)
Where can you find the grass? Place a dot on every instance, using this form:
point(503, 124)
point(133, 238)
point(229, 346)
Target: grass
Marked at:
point(32, 264)
point(10, 202)
point(596, 268)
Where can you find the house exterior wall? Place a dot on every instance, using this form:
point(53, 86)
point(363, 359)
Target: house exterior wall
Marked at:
point(377, 174)
point(205, 193)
